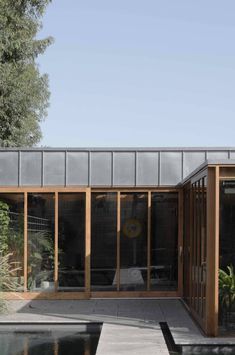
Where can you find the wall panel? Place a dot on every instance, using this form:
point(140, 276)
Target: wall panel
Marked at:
point(31, 169)
point(101, 168)
point(9, 168)
point(171, 168)
point(54, 168)
point(147, 168)
point(77, 168)
point(124, 169)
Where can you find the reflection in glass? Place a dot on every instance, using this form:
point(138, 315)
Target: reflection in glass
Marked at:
point(12, 239)
point(164, 241)
point(103, 241)
point(71, 241)
point(133, 241)
point(49, 342)
point(227, 252)
point(41, 211)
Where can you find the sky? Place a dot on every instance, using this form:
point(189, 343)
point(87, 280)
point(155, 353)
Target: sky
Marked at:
point(134, 73)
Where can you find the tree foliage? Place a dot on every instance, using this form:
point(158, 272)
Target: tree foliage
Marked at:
point(24, 93)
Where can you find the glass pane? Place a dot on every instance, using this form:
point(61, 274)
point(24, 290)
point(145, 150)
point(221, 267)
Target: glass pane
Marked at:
point(133, 241)
point(227, 255)
point(164, 241)
point(103, 241)
point(72, 241)
point(41, 212)
point(12, 241)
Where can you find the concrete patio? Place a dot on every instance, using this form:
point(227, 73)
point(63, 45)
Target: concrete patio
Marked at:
point(130, 326)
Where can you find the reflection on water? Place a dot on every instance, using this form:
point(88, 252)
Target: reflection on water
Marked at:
point(48, 343)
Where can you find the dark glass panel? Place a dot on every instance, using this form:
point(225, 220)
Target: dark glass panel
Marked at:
point(41, 217)
point(71, 241)
point(12, 238)
point(103, 241)
point(164, 241)
point(227, 254)
point(133, 241)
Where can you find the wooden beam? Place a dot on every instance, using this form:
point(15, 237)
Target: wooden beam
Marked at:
point(86, 295)
point(212, 291)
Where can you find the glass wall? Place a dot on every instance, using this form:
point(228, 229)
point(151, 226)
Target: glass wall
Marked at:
point(12, 240)
point(103, 241)
point(227, 255)
point(71, 234)
point(164, 241)
point(133, 241)
point(41, 221)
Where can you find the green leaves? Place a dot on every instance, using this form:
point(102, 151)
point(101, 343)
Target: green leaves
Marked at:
point(4, 227)
point(24, 94)
point(226, 291)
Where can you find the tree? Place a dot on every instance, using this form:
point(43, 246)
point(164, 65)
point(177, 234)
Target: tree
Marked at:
point(24, 93)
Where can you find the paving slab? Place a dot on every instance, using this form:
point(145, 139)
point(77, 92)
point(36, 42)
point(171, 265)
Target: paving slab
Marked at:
point(126, 340)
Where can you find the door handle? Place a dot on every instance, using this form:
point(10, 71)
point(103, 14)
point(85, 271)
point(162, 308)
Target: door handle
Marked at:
point(180, 253)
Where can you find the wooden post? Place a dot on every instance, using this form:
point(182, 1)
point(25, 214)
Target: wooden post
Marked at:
point(25, 241)
point(180, 243)
point(56, 241)
point(118, 238)
point(88, 242)
point(212, 263)
point(149, 242)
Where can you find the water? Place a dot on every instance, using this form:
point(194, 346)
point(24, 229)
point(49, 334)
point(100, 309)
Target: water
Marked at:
point(49, 342)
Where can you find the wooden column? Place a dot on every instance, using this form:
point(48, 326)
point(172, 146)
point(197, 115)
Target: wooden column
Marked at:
point(88, 242)
point(212, 263)
point(180, 243)
point(25, 241)
point(56, 242)
point(149, 242)
point(191, 250)
point(118, 238)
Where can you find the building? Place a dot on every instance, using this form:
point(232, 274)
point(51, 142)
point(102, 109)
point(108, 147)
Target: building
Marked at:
point(83, 223)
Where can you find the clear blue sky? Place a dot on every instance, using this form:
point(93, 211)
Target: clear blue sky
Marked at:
point(140, 73)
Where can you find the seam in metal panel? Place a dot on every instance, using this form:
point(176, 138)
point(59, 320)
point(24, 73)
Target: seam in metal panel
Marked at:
point(42, 173)
point(229, 154)
point(19, 168)
point(65, 167)
point(206, 154)
point(89, 168)
point(159, 168)
point(182, 165)
point(111, 168)
point(136, 167)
